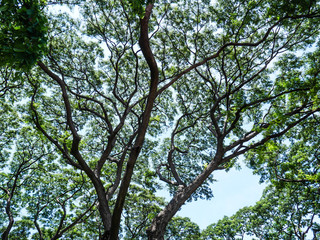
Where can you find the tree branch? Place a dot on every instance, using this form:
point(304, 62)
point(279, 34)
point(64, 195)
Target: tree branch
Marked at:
point(154, 75)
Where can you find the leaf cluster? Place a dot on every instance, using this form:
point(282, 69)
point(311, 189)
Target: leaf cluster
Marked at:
point(23, 31)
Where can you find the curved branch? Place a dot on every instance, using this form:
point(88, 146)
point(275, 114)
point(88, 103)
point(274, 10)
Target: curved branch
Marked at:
point(75, 135)
point(154, 74)
point(103, 203)
point(44, 132)
point(234, 44)
point(162, 178)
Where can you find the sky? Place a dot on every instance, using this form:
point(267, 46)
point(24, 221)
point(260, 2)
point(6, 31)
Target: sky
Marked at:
point(233, 190)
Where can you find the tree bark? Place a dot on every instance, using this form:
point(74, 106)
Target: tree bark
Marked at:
point(5, 234)
point(158, 226)
point(154, 75)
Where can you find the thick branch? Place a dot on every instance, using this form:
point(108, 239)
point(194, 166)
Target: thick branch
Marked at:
point(76, 137)
point(103, 204)
point(234, 44)
point(267, 138)
point(159, 223)
point(154, 75)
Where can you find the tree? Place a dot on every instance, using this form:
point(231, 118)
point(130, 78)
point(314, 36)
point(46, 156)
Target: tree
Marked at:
point(232, 228)
point(182, 228)
point(130, 90)
point(286, 213)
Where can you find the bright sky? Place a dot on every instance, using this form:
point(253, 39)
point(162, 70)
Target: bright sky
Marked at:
point(233, 190)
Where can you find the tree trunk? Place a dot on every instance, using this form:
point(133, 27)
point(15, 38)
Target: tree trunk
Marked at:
point(154, 79)
point(158, 226)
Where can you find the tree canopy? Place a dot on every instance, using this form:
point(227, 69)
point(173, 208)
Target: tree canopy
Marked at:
point(22, 33)
point(105, 102)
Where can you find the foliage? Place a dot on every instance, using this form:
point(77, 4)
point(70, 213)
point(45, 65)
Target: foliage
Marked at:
point(182, 228)
point(138, 6)
point(121, 103)
point(23, 32)
point(295, 156)
point(289, 213)
point(142, 205)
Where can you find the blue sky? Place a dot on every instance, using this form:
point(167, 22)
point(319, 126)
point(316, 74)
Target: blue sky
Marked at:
point(233, 190)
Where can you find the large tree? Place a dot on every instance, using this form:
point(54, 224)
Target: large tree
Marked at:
point(134, 93)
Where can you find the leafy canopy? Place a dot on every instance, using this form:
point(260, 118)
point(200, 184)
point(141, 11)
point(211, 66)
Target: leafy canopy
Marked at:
point(134, 96)
point(23, 31)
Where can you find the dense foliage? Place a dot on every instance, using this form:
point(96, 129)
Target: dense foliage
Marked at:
point(22, 33)
point(105, 102)
point(287, 213)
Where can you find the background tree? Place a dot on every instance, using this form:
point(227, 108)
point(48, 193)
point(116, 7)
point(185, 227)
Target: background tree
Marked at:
point(182, 228)
point(231, 228)
point(287, 213)
point(174, 89)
